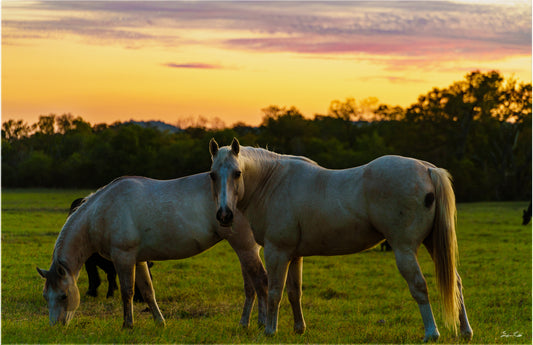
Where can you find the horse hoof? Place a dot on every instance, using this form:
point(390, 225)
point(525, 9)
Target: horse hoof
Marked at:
point(127, 325)
point(299, 329)
point(261, 320)
point(270, 332)
point(431, 337)
point(467, 335)
point(159, 320)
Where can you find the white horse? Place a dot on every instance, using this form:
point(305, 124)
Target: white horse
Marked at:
point(135, 219)
point(297, 208)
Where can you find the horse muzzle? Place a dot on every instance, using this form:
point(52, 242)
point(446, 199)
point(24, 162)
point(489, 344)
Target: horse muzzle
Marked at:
point(225, 216)
point(63, 319)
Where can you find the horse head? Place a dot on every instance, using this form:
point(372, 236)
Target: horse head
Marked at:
point(61, 293)
point(226, 180)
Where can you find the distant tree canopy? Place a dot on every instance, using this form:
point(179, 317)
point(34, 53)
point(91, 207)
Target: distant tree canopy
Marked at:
point(478, 128)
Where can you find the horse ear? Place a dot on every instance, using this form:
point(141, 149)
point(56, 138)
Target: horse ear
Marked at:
point(235, 146)
point(42, 273)
point(213, 147)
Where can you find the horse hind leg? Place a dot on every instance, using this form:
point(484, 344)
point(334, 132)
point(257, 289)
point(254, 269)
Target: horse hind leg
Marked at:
point(410, 270)
point(464, 325)
point(93, 276)
point(144, 283)
point(111, 273)
point(294, 290)
point(108, 267)
point(111, 284)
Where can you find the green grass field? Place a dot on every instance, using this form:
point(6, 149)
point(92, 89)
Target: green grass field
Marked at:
point(358, 298)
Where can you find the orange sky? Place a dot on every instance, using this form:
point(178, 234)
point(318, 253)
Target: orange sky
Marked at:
point(116, 61)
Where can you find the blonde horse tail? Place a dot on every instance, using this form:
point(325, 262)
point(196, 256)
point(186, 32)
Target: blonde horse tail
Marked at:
point(444, 245)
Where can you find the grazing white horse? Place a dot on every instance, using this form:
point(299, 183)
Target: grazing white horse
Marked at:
point(297, 208)
point(135, 219)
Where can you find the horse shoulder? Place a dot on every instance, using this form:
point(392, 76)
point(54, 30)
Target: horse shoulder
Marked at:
point(114, 214)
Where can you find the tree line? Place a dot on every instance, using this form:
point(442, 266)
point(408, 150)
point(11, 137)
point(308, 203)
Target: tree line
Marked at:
point(478, 128)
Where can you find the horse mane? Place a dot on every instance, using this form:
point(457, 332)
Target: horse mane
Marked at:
point(260, 154)
point(70, 223)
point(269, 162)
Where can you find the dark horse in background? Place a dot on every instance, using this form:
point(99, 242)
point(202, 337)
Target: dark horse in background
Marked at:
point(526, 215)
point(96, 260)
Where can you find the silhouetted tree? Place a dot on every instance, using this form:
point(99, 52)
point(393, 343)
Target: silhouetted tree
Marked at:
point(478, 128)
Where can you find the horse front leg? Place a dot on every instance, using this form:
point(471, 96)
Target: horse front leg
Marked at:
point(277, 262)
point(256, 275)
point(253, 271)
point(126, 276)
point(294, 290)
point(249, 294)
point(255, 282)
point(144, 283)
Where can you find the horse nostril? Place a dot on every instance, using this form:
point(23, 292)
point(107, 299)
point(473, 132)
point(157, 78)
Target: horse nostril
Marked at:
point(229, 215)
point(225, 216)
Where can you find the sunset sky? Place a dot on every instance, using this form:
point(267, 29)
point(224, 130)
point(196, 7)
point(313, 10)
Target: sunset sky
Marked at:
point(116, 61)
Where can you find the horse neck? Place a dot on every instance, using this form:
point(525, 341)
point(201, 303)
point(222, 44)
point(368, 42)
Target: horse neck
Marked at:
point(73, 246)
point(258, 175)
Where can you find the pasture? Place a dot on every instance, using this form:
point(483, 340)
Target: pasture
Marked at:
point(358, 298)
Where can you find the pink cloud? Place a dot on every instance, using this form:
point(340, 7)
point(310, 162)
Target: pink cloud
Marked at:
point(192, 65)
point(408, 29)
point(393, 45)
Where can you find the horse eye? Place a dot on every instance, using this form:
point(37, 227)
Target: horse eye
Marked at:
point(237, 174)
point(213, 176)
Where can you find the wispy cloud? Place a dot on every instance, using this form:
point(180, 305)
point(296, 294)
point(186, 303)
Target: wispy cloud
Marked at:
point(393, 79)
point(192, 65)
point(429, 29)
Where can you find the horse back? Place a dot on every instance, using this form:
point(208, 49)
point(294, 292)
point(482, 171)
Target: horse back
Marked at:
point(158, 219)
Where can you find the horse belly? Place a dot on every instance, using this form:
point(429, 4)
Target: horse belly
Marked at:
point(338, 240)
point(176, 240)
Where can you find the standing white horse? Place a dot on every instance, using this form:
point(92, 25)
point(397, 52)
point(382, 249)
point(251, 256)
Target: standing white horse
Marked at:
point(135, 219)
point(297, 208)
